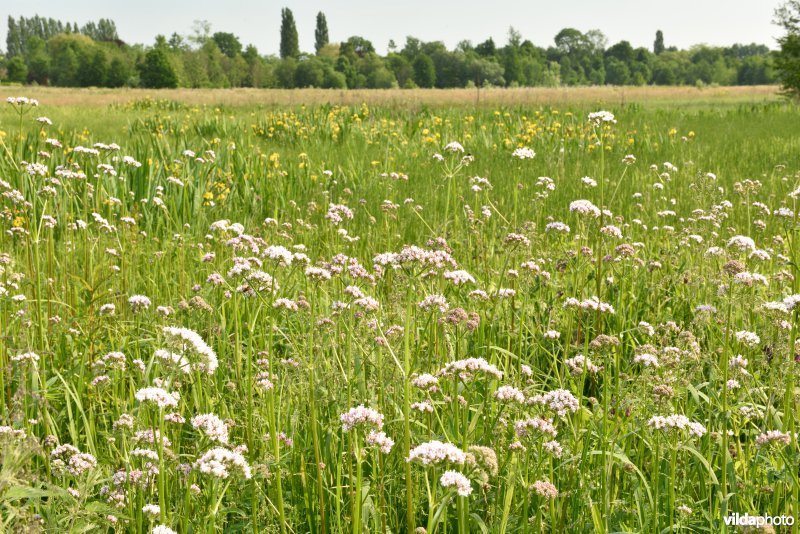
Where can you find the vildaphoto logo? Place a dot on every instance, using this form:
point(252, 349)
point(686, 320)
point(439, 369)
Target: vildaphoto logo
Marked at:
point(747, 520)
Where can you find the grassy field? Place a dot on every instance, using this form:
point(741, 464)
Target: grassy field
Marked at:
point(406, 98)
point(255, 311)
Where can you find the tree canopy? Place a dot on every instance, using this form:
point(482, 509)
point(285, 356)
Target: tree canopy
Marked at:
point(51, 52)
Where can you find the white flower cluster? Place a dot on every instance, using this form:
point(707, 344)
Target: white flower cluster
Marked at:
point(773, 436)
point(749, 339)
point(580, 362)
point(456, 480)
point(152, 510)
point(380, 440)
point(361, 415)
point(599, 117)
point(434, 301)
point(67, 458)
point(557, 227)
point(317, 273)
point(425, 381)
point(413, 254)
point(279, 254)
point(212, 426)
point(7, 431)
point(560, 401)
point(646, 359)
point(611, 231)
point(747, 278)
point(189, 342)
point(509, 393)
point(434, 452)
point(677, 422)
point(221, 462)
point(467, 368)
point(285, 303)
point(22, 101)
point(338, 213)
point(139, 302)
point(158, 396)
point(459, 277)
point(545, 489)
point(545, 426)
point(523, 153)
point(743, 243)
point(584, 207)
point(31, 357)
point(592, 303)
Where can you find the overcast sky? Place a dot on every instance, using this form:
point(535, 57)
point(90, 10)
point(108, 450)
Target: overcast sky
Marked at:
point(684, 22)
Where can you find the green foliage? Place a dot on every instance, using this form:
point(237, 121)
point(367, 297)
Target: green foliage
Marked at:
point(401, 68)
point(156, 71)
point(290, 46)
point(320, 32)
point(658, 44)
point(93, 71)
point(119, 73)
point(486, 48)
point(228, 43)
point(381, 78)
point(356, 47)
point(103, 30)
point(38, 61)
point(424, 71)
point(348, 70)
point(617, 72)
point(512, 66)
point(480, 72)
point(310, 72)
point(17, 70)
point(787, 59)
point(56, 53)
point(285, 73)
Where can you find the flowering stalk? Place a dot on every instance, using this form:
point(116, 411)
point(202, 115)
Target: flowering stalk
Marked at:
point(725, 363)
point(357, 496)
point(313, 408)
point(410, 522)
point(789, 397)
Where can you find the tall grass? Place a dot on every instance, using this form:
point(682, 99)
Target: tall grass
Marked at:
point(375, 339)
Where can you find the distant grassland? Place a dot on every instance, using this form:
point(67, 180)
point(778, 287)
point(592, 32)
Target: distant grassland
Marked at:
point(410, 97)
point(687, 108)
point(735, 121)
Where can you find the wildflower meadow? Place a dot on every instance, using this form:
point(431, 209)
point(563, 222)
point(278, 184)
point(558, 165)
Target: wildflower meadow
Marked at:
point(373, 319)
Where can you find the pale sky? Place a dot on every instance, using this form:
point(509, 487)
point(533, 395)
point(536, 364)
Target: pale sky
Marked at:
point(684, 22)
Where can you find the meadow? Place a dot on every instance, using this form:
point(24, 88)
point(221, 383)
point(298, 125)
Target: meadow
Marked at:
point(575, 313)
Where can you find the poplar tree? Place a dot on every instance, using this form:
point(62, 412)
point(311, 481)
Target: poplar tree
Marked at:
point(289, 40)
point(321, 33)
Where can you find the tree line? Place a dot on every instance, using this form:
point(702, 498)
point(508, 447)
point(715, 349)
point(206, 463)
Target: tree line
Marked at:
point(50, 52)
